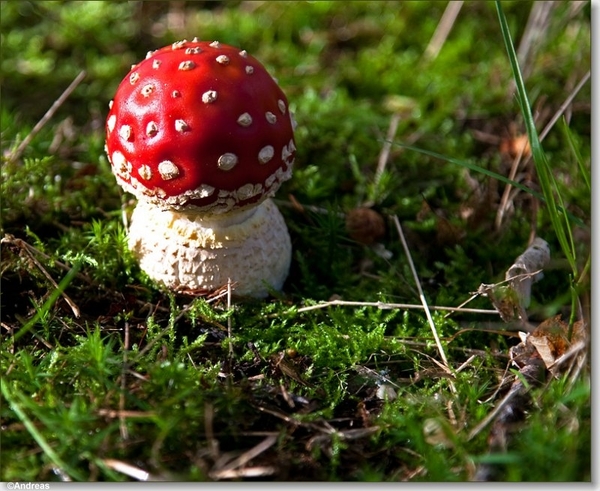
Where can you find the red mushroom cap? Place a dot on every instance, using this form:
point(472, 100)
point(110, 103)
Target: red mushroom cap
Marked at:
point(200, 124)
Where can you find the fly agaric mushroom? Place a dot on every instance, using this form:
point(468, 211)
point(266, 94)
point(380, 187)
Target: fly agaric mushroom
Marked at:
point(203, 136)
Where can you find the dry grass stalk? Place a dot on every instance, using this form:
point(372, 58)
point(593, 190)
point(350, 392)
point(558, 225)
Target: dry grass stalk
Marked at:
point(537, 26)
point(29, 251)
point(507, 197)
point(504, 201)
point(46, 117)
point(391, 306)
point(564, 105)
point(244, 458)
point(387, 146)
point(422, 297)
point(443, 29)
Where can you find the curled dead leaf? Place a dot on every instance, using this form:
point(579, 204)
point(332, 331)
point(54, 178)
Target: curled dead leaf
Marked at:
point(551, 340)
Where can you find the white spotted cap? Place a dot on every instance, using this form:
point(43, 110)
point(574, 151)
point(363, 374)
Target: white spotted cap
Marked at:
point(200, 125)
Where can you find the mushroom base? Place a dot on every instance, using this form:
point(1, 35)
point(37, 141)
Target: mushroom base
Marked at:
point(192, 252)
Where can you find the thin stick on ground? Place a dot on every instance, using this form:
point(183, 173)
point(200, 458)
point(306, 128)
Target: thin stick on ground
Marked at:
point(249, 472)
point(390, 306)
point(422, 296)
point(46, 117)
point(296, 205)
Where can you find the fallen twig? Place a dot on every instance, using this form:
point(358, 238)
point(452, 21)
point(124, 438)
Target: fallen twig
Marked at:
point(213, 443)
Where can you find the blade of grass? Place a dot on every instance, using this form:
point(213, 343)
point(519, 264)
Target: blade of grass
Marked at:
point(473, 167)
point(487, 172)
point(33, 431)
point(553, 199)
point(569, 136)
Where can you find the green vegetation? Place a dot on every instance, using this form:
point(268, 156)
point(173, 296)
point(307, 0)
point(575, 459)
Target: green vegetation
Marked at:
point(103, 368)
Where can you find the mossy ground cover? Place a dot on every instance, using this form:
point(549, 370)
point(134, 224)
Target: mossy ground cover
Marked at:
point(102, 369)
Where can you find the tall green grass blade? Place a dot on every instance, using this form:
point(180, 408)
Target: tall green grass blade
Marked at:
point(33, 431)
point(487, 172)
point(473, 167)
point(573, 146)
point(560, 221)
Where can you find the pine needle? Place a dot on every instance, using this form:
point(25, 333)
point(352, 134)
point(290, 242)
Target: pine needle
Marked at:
point(422, 296)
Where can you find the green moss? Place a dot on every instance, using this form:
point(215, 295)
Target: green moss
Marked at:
point(112, 366)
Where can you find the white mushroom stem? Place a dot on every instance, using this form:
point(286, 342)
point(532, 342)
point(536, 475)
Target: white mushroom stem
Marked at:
point(190, 251)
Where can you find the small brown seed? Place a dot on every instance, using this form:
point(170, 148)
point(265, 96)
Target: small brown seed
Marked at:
point(365, 225)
